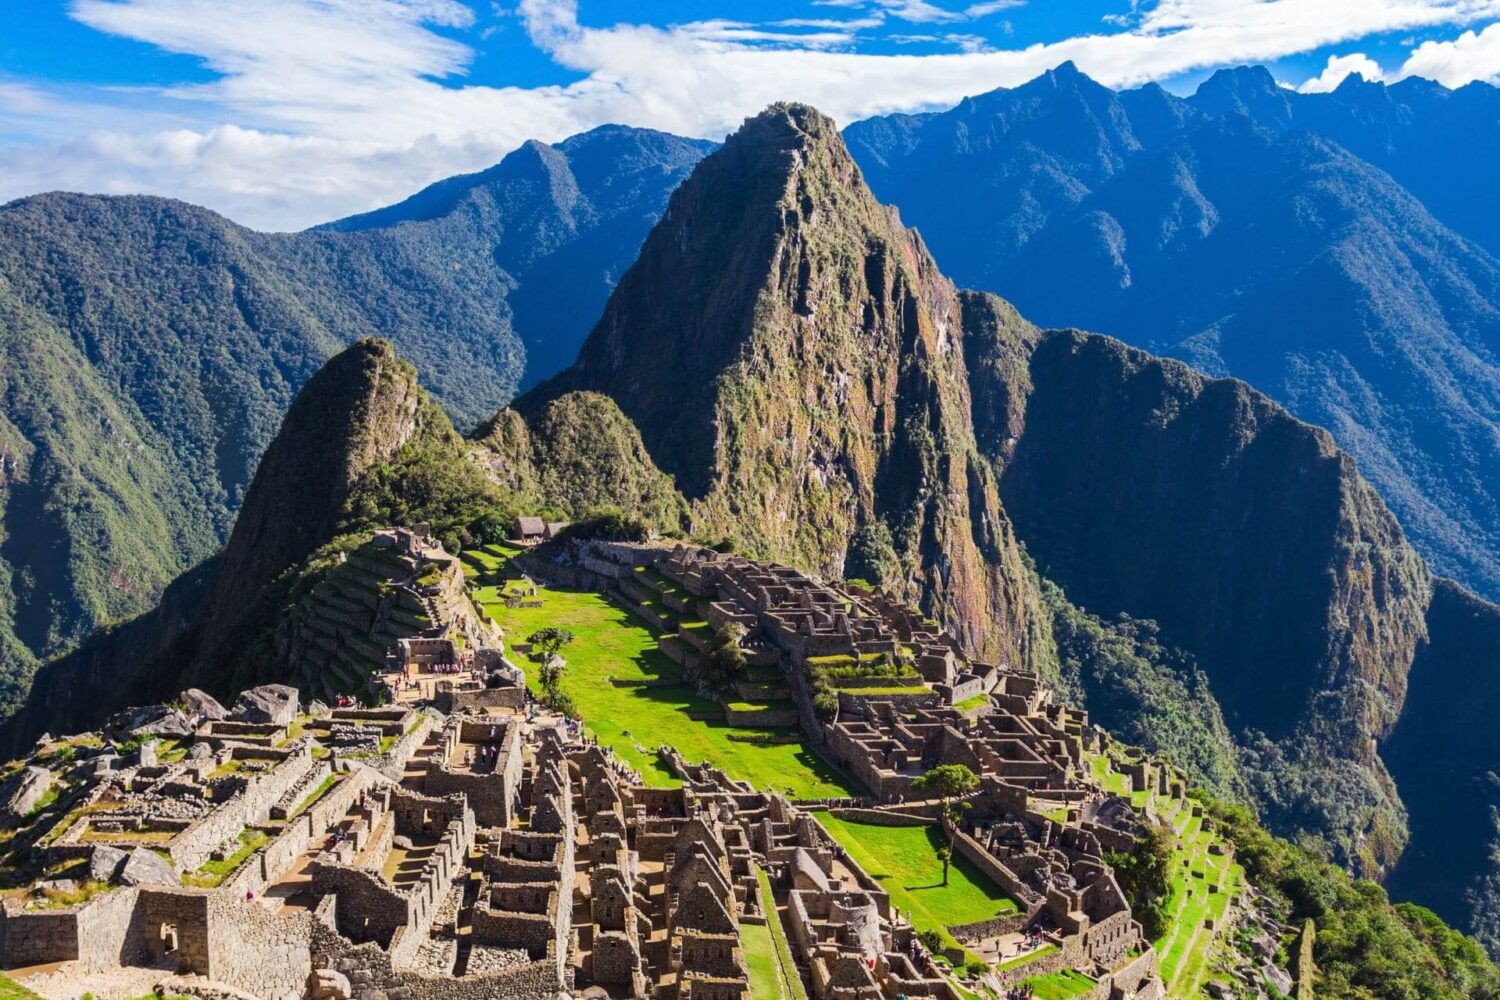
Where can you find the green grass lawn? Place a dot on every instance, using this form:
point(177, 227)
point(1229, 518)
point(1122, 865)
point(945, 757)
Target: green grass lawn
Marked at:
point(608, 663)
point(904, 860)
point(760, 959)
point(787, 983)
point(1062, 985)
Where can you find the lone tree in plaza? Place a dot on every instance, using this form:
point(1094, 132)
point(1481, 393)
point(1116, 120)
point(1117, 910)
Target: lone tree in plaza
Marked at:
point(546, 642)
point(948, 782)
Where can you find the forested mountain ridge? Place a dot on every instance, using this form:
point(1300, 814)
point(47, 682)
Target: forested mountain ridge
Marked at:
point(149, 348)
point(562, 222)
point(1241, 230)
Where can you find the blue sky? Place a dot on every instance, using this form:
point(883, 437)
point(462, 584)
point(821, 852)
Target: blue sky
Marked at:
point(284, 113)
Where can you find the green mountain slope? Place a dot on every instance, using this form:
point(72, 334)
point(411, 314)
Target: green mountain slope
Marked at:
point(149, 348)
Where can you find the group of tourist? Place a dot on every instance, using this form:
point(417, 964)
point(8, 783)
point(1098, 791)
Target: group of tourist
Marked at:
point(487, 756)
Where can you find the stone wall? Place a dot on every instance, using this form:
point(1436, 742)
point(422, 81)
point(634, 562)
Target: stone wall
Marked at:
point(367, 909)
point(193, 846)
point(373, 977)
point(393, 764)
point(986, 862)
point(480, 699)
point(272, 861)
point(258, 951)
point(882, 817)
point(38, 937)
point(185, 913)
point(110, 931)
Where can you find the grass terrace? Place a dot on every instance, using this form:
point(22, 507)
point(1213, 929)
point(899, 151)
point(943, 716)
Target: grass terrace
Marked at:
point(212, 873)
point(1203, 886)
point(1062, 985)
point(629, 693)
point(760, 959)
point(903, 859)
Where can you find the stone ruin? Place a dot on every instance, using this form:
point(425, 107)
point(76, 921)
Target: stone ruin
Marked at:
point(376, 853)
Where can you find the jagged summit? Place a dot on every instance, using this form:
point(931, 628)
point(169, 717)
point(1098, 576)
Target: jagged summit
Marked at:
point(790, 354)
point(581, 166)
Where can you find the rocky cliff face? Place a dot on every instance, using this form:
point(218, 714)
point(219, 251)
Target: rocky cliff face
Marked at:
point(1146, 488)
point(792, 355)
point(1445, 756)
point(1335, 251)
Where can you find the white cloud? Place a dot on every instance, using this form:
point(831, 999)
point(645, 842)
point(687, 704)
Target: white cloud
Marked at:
point(1340, 67)
point(1469, 57)
point(989, 7)
point(341, 105)
point(920, 11)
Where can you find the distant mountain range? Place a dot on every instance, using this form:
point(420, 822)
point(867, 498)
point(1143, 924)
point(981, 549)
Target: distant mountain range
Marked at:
point(1334, 250)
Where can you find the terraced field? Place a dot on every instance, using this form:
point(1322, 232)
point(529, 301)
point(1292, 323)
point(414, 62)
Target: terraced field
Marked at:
point(632, 696)
point(1185, 950)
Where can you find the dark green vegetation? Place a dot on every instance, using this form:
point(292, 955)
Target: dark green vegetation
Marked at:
point(148, 350)
point(1143, 692)
point(1145, 876)
point(1278, 237)
point(578, 455)
point(1365, 947)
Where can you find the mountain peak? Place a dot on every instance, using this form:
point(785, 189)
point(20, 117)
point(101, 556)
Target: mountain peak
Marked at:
point(784, 345)
point(1248, 90)
point(360, 408)
point(783, 127)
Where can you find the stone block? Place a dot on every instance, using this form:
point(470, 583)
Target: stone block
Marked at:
point(328, 984)
point(24, 792)
point(105, 863)
point(274, 703)
point(146, 867)
point(202, 706)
